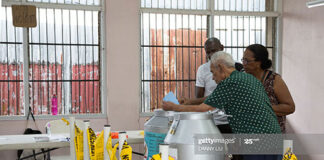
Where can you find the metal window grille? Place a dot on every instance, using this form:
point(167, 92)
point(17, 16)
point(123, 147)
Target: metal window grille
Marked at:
point(11, 66)
point(64, 58)
point(74, 2)
point(173, 33)
point(56, 3)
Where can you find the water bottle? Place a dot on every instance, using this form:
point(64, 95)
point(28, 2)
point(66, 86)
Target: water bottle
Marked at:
point(48, 129)
point(54, 105)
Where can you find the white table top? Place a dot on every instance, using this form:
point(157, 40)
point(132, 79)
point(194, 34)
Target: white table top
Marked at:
point(14, 142)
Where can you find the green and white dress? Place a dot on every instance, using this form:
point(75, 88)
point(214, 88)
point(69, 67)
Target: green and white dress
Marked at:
point(243, 96)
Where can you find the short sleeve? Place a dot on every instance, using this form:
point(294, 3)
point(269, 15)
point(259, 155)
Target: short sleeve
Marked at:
point(200, 82)
point(220, 97)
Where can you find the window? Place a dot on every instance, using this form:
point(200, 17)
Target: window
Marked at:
point(64, 59)
point(173, 33)
point(11, 66)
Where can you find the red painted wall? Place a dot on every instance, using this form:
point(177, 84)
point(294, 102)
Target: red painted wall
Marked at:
point(182, 63)
point(11, 94)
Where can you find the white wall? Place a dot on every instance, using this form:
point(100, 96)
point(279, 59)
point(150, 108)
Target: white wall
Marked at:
point(123, 64)
point(302, 60)
point(303, 56)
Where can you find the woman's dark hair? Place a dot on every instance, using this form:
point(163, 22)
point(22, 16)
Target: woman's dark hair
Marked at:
point(261, 54)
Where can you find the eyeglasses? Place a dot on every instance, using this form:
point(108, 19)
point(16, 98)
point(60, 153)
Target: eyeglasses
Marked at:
point(245, 61)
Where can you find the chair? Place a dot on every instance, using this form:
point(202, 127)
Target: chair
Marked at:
point(60, 127)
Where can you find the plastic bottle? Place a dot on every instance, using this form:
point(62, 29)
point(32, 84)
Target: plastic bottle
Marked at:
point(48, 129)
point(54, 105)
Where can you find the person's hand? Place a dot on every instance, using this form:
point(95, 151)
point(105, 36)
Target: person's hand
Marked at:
point(168, 106)
point(184, 101)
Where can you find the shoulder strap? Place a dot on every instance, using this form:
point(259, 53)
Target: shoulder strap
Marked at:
point(30, 113)
point(269, 73)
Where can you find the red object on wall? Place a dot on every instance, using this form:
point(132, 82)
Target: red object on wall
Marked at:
point(182, 64)
point(11, 93)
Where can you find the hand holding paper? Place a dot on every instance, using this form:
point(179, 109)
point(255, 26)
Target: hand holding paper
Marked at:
point(170, 97)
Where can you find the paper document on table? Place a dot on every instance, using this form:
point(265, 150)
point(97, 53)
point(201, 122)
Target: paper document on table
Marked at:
point(41, 139)
point(59, 138)
point(170, 97)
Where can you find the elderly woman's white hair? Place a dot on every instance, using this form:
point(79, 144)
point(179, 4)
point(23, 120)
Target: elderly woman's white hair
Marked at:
point(223, 58)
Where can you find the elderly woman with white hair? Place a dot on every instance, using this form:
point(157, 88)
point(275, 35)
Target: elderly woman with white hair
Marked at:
point(240, 95)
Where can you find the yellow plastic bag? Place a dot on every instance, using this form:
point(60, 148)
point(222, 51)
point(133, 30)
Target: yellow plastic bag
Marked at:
point(99, 145)
point(158, 157)
point(111, 150)
point(126, 152)
point(95, 145)
point(78, 142)
point(289, 155)
point(91, 138)
point(66, 121)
